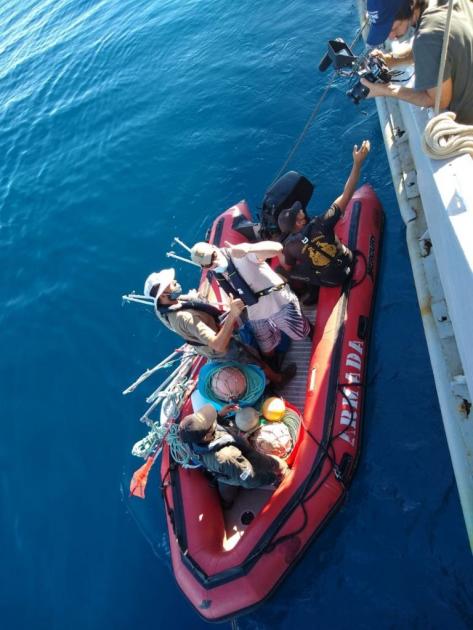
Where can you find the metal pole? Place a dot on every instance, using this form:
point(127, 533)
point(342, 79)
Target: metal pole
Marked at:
point(149, 372)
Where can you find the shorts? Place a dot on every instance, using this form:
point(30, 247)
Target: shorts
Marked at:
point(289, 320)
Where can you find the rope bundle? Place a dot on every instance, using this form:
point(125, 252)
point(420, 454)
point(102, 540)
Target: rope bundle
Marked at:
point(293, 422)
point(255, 382)
point(180, 452)
point(444, 138)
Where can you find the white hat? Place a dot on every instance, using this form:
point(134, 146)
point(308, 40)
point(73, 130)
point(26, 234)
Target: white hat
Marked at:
point(202, 253)
point(162, 278)
point(247, 419)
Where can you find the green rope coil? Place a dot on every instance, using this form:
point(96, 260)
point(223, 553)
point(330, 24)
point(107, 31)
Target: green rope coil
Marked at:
point(293, 422)
point(180, 452)
point(255, 382)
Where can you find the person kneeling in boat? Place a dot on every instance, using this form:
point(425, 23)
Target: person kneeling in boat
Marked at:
point(228, 456)
point(242, 270)
point(198, 323)
point(312, 251)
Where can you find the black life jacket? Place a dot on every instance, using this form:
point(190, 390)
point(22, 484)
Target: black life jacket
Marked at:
point(226, 439)
point(233, 283)
point(198, 450)
point(339, 257)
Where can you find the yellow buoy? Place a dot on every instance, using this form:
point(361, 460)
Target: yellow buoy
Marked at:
point(273, 408)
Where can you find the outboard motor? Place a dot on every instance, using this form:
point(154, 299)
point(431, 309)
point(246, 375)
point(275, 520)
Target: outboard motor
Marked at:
point(285, 191)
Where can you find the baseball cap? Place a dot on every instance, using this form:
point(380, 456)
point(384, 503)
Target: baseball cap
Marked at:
point(194, 427)
point(162, 278)
point(381, 15)
point(202, 253)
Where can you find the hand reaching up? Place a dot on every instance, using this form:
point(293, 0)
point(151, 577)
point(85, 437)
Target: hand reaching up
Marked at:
point(360, 154)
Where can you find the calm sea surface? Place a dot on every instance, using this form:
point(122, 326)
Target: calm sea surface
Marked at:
point(122, 124)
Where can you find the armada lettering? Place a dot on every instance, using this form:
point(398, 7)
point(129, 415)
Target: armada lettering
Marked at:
point(348, 438)
point(356, 345)
point(353, 360)
point(352, 377)
point(348, 417)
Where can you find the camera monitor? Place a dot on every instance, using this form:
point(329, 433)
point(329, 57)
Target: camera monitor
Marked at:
point(339, 54)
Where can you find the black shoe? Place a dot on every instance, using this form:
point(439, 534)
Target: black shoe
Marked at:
point(287, 374)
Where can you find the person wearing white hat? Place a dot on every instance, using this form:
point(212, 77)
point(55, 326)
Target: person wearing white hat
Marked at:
point(198, 323)
point(242, 270)
point(195, 321)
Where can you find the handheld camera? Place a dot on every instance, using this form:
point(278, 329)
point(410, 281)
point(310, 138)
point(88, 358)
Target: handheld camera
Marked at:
point(356, 67)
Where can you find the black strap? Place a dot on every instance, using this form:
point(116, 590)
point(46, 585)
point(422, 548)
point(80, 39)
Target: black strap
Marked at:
point(270, 290)
point(242, 289)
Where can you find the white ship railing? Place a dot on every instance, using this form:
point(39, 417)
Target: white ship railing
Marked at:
point(436, 203)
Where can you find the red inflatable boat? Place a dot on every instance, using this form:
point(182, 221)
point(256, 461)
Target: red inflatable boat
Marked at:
point(227, 562)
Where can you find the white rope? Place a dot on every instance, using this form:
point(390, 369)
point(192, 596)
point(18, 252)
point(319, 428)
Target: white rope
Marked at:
point(444, 138)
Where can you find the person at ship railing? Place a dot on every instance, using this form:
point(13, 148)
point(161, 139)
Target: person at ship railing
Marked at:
point(227, 455)
point(272, 308)
point(199, 323)
point(391, 19)
point(312, 251)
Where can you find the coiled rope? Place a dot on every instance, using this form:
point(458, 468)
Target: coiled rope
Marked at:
point(255, 382)
point(179, 451)
point(293, 422)
point(445, 138)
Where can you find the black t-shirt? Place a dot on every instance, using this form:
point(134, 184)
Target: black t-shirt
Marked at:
point(316, 244)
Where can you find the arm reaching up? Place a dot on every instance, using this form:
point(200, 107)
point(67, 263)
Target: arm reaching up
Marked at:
point(359, 156)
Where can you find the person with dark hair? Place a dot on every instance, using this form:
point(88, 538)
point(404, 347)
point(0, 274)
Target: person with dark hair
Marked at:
point(314, 253)
point(292, 219)
point(392, 19)
point(227, 455)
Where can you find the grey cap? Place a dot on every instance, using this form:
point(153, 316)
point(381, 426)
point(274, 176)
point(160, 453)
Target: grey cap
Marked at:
point(194, 427)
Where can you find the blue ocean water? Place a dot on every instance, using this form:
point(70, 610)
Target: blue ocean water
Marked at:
point(123, 124)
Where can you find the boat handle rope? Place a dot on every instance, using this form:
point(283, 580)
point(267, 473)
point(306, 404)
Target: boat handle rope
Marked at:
point(335, 469)
point(359, 254)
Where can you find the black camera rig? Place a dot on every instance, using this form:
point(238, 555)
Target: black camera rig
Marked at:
point(347, 64)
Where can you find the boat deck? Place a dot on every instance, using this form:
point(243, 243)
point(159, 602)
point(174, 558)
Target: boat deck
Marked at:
point(248, 503)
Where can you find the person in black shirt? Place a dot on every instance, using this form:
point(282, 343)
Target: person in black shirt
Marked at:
point(312, 252)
